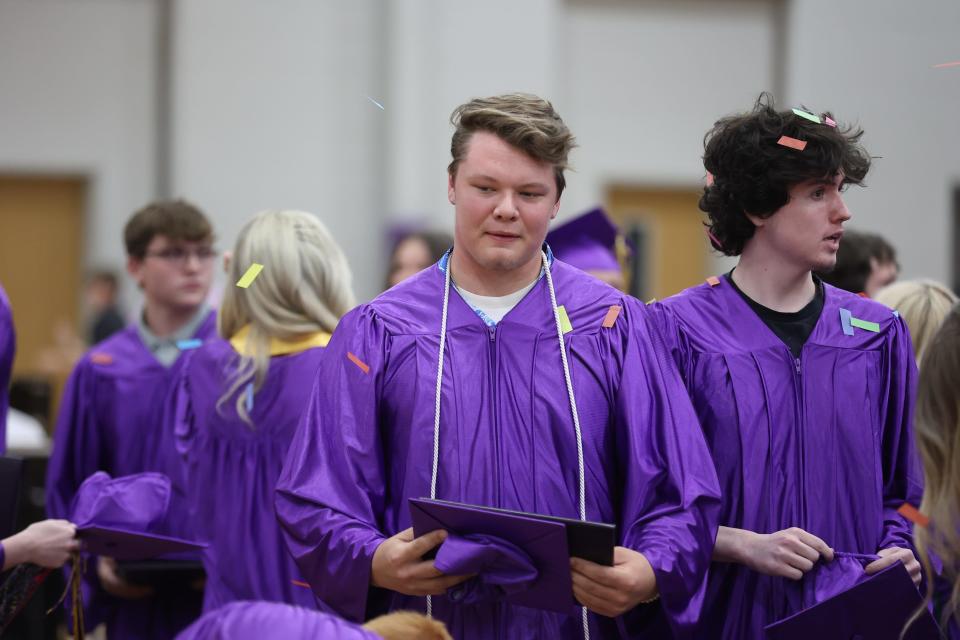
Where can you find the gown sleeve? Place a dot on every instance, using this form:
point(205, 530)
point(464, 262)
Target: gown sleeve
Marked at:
point(331, 494)
point(671, 494)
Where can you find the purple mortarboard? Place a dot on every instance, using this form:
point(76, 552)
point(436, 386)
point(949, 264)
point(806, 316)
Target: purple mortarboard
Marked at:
point(588, 242)
point(877, 608)
point(523, 560)
point(118, 517)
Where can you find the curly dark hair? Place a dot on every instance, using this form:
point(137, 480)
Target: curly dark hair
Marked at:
point(753, 173)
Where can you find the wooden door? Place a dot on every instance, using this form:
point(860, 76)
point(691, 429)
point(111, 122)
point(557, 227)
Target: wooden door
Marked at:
point(675, 253)
point(41, 242)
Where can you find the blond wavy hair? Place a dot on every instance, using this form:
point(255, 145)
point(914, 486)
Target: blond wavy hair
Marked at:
point(524, 121)
point(407, 625)
point(923, 304)
point(305, 287)
point(937, 431)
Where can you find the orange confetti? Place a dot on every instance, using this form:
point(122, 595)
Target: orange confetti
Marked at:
point(793, 143)
point(713, 281)
point(299, 583)
point(911, 513)
point(101, 358)
point(612, 314)
point(360, 363)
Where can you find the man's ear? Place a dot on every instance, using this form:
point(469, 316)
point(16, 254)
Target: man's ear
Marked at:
point(556, 209)
point(756, 220)
point(135, 270)
point(227, 260)
point(451, 191)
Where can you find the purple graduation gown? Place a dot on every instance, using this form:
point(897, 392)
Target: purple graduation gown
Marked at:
point(233, 470)
point(112, 419)
point(507, 440)
point(823, 442)
point(8, 347)
point(242, 620)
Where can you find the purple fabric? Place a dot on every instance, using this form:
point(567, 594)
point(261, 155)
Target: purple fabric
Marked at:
point(245, 620)
point(828, 579)
point(8, 348)
point(823, 442)
point(501, 567)
point(138, 502)
point(365, 445)
point(238, 467)
point(587, 242)
point(112, 419)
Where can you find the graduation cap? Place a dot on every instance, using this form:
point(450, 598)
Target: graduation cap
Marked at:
point(120, 517)
point(877, 608)
point(522, 557)
point(590, 242)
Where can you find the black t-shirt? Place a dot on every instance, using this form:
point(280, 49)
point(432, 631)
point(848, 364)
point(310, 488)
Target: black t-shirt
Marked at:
point(792, 328)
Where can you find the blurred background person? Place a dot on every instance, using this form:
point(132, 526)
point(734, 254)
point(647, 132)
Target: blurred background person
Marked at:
point(103, 306)
point(866, 263)
point(415, 252)
point(923, 305)
point(592, 243)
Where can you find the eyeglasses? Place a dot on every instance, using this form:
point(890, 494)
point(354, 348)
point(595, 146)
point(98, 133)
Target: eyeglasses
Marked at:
point(179, 256)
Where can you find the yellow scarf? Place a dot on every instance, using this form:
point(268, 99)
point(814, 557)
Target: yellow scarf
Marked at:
point(280, 347)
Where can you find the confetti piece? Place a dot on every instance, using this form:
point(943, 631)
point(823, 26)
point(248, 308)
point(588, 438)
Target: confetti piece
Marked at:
point(651, 300)
point(300, 583)
point(830, 122)
point(249, 399)
point(864, 324)
point(808, 116)
point(186, 345)
point(793, 143)
point(612, 314)
point(896, 314)
point(250, 275)
point(911, 513)
point(713, 281)
point(565, 325)
point(101, 358)
point(360, 363)
point(709, 179)
point(845, 317)
point(713, 239)
point(376, 103)
point(944, 65)
point(863, 294)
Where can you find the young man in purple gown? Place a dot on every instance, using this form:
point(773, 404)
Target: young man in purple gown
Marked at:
point(453, 384)
point(804, 391)
point(112, 412)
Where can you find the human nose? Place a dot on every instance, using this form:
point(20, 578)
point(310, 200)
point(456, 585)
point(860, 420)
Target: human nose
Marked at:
point(506, 208)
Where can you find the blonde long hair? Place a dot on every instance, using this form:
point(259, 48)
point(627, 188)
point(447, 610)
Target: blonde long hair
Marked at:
point(937, 430)
point(923, 304)
point(305, 287)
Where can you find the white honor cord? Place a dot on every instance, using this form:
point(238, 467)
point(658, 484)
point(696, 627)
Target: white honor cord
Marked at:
point(436, 405)
point(576, 419)
point(573, 409)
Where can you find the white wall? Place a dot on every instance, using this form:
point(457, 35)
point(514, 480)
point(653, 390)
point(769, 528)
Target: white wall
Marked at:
point(871, 62)
point(271, 110)
point(76, 96)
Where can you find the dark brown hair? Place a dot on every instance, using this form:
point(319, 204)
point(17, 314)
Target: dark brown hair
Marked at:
point(175, 219)
point(753, 174)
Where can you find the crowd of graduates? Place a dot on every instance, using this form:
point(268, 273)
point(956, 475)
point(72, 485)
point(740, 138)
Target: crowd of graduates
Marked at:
point(778, 437)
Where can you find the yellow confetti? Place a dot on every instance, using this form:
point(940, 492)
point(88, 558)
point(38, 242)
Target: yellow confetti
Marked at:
point(250, 275)
point(565, 325)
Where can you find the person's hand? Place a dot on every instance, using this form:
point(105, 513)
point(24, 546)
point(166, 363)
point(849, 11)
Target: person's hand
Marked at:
point(611, 591)
point(117, 586)
point(789, 553)
point(398, 565)
point(48, 543)
point(891, 555)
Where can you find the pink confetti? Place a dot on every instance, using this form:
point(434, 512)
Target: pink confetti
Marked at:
point(709, 179)
point(829, 121)
point(944, 65)
point(793, 143)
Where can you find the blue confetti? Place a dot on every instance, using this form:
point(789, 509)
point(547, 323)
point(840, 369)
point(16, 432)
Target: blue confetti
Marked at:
point(845, 318)
point(375, 102)
point(185, 345)
point(249, 400)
